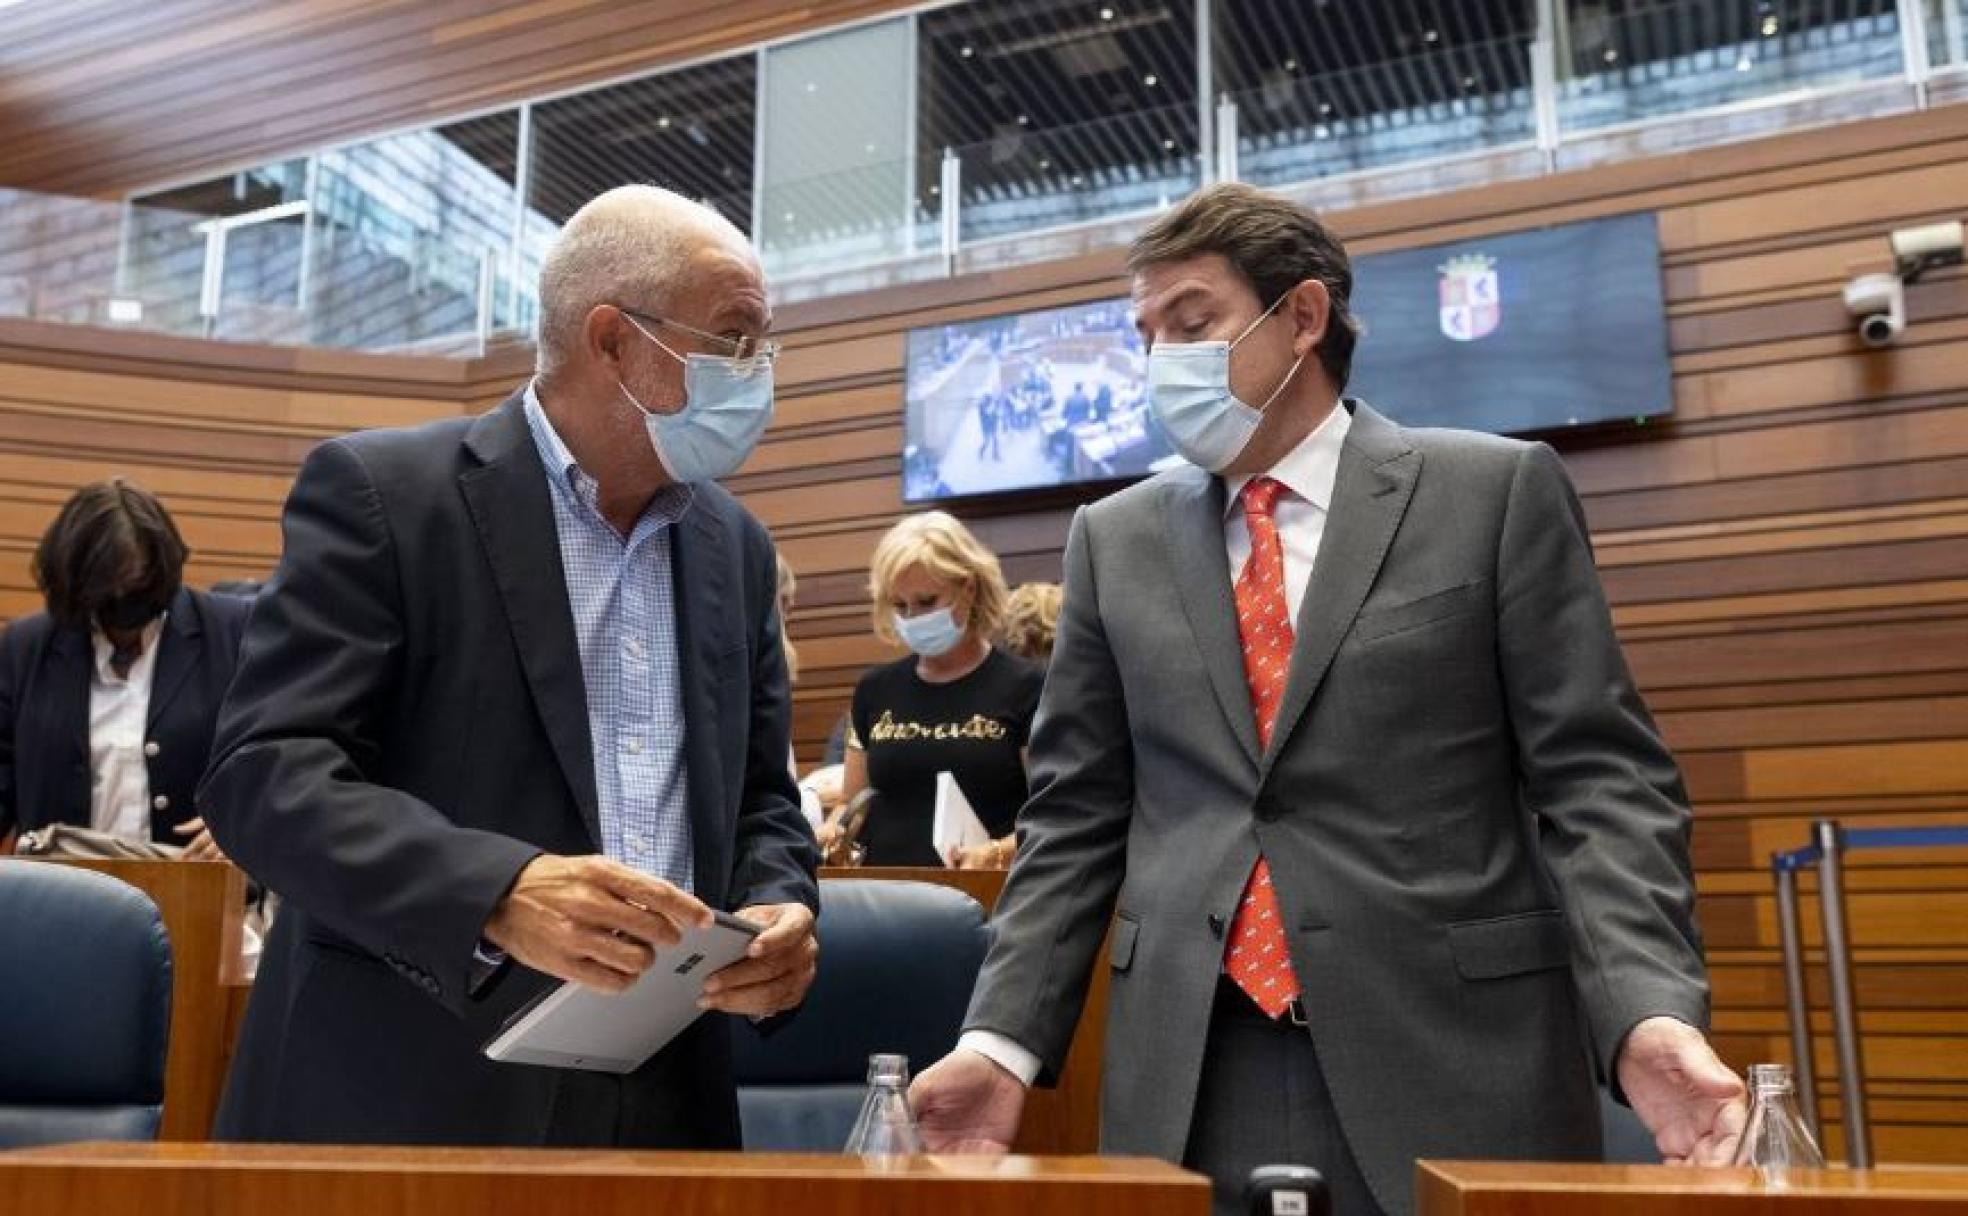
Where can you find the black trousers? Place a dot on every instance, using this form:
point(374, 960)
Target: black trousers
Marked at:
point(1263, 1101)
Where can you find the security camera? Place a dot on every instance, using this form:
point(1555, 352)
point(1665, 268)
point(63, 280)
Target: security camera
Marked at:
point(1879, 303)
point(1919, 250)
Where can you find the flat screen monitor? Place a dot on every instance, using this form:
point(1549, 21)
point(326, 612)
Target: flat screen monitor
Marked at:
point(1530, 331)
point(1525, 332)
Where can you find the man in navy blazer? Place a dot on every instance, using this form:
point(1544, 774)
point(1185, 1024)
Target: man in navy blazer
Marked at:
point(514, 707)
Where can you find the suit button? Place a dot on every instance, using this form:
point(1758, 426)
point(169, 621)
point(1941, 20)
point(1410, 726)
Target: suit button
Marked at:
point(1216, 925)
point(160, 803)
point(151, 749)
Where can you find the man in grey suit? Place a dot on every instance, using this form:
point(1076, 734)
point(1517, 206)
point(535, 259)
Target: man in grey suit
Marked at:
point(1338, 737)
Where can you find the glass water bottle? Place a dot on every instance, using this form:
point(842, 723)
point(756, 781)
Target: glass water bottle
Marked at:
point(1776, 1140)
point(886, 1126)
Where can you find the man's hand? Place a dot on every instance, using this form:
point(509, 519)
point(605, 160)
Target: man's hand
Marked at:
point(776, 971)
point(202, 846)
point(590, 920)
point(1688, 1098)
point(965, 1103)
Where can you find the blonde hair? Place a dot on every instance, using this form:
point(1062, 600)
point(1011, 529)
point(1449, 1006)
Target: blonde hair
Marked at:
point(1031, 619)
point(787, 590)
point(936, 543)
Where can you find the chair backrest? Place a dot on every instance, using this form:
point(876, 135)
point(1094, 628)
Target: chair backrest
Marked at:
point(897, 963)
point(85, 1020)
point(1627, 1140)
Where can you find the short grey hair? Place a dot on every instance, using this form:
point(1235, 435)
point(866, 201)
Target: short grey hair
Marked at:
point(628, 246)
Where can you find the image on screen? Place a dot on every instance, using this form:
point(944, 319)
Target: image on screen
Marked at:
point(1528, 331)
point(1039, 399)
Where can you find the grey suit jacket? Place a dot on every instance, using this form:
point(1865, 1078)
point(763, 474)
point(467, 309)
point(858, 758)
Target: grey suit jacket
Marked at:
point(1479, 841)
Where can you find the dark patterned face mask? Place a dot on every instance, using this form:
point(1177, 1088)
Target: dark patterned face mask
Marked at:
point(129, 612)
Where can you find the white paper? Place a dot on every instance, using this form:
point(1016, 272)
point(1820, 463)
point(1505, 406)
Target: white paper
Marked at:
point(956, 825)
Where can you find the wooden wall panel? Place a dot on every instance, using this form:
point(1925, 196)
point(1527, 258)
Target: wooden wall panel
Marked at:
point(101, 96)
point(1787, 557)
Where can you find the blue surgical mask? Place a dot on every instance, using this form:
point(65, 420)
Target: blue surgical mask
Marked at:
point(930, 634)
point(1189, 390)
point(726, 404)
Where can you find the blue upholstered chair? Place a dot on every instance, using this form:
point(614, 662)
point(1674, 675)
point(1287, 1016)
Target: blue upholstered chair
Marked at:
point(85, 1007)
point(897, 963)
point(1627, 1140)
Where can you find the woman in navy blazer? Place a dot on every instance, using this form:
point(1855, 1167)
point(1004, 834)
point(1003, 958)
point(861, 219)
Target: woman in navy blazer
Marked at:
point(109, 566)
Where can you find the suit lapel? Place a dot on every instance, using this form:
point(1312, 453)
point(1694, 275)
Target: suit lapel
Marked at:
point(512, 510)
point(706, 610)
point(1377, 472)
point(65, 686)
point(178, 650)
point(1193, 508)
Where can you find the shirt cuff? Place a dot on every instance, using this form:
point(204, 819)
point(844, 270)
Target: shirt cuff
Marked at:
point(1003, 1052)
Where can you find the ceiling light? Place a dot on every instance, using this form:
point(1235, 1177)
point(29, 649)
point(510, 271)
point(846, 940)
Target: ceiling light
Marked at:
point(1106, 14)
point(1291, 65)
point(1044, 163)
point(1612, 56)
point(1151, 80)
point(1745, 64)
point(1770, 27)
point(1322, 131)
point(1431, 36)
point(1468, 82)
point(1024, 120)
point(664, 122)
point(1168, 145)
point(967, 51)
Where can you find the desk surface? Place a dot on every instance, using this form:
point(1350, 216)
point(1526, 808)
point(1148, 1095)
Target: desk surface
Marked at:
point(1494, 1188)
point(223, 1179)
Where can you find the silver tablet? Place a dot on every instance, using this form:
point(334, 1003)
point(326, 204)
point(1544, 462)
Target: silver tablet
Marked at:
point(571, 1026)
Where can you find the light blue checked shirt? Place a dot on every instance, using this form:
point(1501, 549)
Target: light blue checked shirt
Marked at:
point(623, 596)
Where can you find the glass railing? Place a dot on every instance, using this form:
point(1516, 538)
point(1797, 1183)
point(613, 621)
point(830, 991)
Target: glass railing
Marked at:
point(1025, 181)
point(837, 223)
point(1947, 33)
point(284, 279)
point(1421, 107)
point(1639, 66)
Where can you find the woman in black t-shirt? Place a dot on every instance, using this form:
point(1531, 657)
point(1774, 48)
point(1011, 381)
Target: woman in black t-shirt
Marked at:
point(955, 705)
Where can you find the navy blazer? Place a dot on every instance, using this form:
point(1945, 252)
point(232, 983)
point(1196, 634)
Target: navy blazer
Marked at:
point(45, 775)
point(408, 730)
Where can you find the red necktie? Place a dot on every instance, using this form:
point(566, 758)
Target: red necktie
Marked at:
point(1258, 960)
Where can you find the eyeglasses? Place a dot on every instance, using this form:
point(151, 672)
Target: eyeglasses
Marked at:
point(743, 349)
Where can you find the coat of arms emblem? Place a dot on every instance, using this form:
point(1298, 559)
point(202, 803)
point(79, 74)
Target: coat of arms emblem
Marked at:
point(1472, 304)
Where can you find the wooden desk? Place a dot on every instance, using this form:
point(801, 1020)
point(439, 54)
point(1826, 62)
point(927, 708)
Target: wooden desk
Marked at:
point(1502, 1188)
point(1065, 1120)
point(203, 904)
point(252, 1180)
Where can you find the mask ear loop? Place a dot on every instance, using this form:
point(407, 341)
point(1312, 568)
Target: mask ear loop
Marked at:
point(1296, 363)
point(660, 345)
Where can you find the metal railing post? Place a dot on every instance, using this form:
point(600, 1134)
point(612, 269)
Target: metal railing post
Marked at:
point(1830, 840)
point(1226, 140)
point(1913, 47)
point(1796, 994)
point(952, 191)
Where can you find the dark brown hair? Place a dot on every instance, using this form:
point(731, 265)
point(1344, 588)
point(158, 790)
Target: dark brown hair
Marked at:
point(111, 541)
point(1271, 242)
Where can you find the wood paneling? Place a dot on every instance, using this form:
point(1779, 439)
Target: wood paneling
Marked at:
point(296, 1180)
point(1787, 556)
point(101, 96)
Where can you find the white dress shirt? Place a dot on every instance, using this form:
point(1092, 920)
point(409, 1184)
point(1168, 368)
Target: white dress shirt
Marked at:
point(119, 712)
point(1309, 472)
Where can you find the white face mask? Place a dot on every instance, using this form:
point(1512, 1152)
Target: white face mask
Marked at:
point(726, 404)
point(931, 633)
point(1189, 390)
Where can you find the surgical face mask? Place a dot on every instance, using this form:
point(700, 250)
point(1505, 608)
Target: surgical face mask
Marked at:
point(726, 404)
point(127, 614)
point(1189, 390)
point(930, 634)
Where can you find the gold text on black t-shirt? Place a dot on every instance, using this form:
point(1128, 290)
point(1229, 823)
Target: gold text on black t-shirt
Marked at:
point(888, 730)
